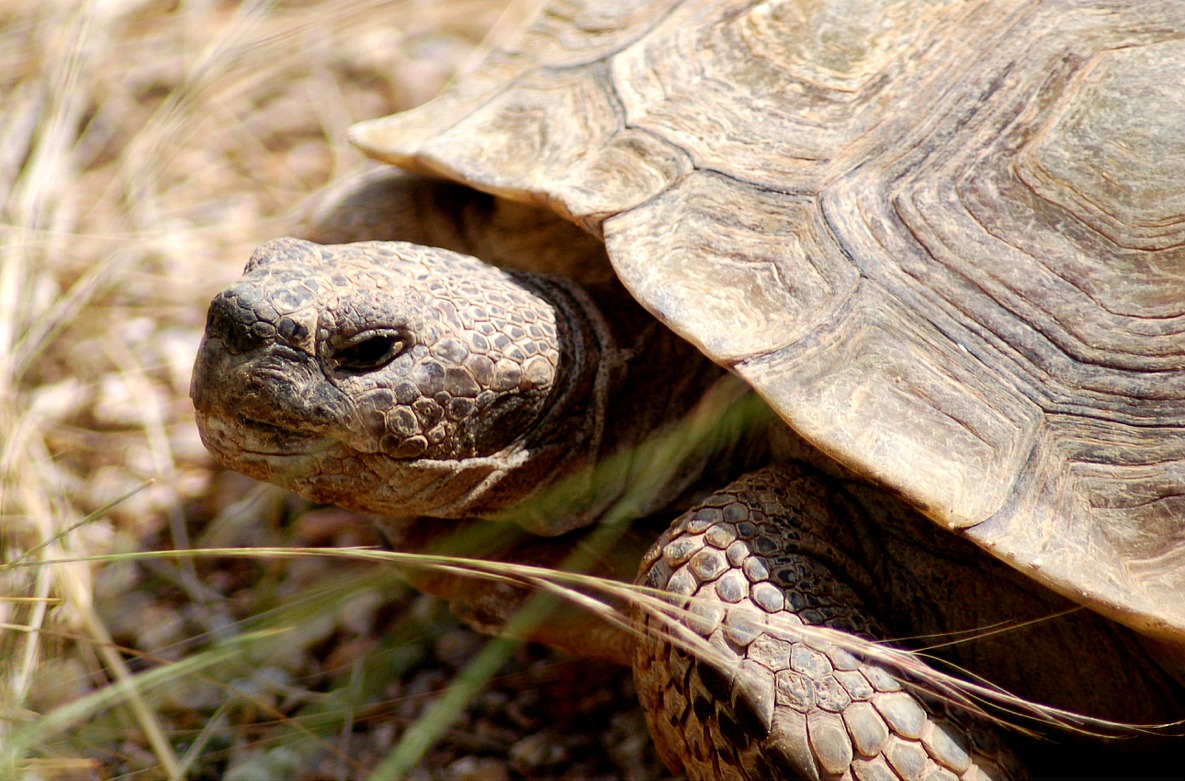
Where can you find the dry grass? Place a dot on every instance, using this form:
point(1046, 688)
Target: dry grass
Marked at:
point(145, 147)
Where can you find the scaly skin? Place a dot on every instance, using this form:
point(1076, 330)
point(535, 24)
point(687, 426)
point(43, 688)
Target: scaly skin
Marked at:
point(401, 380)
point(763, 550)
point(430, 367)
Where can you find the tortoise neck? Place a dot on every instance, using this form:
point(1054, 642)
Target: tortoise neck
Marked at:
point(631, 402)
point(555, 470)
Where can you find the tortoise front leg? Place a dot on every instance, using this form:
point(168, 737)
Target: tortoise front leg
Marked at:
point(782, 706)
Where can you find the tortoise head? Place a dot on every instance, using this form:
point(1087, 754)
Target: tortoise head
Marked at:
point(393, 378)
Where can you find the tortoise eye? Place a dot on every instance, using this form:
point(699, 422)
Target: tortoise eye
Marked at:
point(368, 352)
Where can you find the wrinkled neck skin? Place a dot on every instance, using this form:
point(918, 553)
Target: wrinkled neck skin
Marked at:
point(401, 380)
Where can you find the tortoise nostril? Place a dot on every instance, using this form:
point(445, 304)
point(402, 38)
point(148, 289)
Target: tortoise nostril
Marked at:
point(237, 324)
point(245, 318)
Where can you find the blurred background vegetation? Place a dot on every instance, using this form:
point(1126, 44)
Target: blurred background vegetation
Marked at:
point(145, 147)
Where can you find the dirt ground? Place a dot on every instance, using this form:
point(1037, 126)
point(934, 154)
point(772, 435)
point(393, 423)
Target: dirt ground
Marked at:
point(145, 148)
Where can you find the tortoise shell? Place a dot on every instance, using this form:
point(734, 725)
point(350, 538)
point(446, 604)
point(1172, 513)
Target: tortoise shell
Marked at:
point(945, 241)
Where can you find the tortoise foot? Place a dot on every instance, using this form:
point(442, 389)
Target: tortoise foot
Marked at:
point(775, 697)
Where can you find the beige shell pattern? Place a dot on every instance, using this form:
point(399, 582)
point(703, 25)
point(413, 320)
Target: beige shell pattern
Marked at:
point(945, 240)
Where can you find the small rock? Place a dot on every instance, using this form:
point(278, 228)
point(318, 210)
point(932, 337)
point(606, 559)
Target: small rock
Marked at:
point(538, 750)
point(478, 769)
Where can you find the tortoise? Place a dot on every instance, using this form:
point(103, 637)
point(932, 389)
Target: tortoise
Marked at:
point(942, 241)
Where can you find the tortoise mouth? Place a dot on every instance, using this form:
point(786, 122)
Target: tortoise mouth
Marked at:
point(266, 439)
point(245, 437)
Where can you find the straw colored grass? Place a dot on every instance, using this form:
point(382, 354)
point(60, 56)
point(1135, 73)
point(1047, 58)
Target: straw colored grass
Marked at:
point(145, 147)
